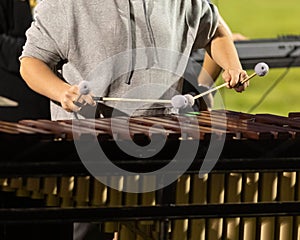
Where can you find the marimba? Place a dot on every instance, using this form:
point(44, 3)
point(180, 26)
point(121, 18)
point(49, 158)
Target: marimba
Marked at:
point(252, 192)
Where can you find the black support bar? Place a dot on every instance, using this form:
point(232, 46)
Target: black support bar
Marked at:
point(123, 213)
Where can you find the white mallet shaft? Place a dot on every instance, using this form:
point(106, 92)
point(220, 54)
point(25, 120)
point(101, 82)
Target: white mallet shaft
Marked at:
point(210, 90)
point(84, 90)
point(223, 85)
point(103, 99)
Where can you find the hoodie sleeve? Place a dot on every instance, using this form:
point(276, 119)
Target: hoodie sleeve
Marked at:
point(47, 36)
point(208, 24)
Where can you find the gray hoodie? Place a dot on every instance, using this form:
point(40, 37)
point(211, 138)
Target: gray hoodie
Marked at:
point(124, 48)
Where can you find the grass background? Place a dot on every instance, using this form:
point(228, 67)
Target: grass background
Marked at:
point(264, 19)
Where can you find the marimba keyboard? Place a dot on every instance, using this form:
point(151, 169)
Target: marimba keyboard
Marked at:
point(251, 193)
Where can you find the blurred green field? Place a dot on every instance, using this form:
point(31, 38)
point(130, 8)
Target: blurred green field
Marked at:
point(264, 19)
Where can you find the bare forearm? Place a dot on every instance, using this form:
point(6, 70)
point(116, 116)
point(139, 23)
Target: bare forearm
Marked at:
point(223, 51)
point(209, 72)
point(41, 79)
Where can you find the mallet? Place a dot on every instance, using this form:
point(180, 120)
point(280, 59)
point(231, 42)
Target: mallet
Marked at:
point(178, 101)
point(260, 69)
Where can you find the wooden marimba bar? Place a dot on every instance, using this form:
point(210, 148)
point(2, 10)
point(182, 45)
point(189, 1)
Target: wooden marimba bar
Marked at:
point(258, 166)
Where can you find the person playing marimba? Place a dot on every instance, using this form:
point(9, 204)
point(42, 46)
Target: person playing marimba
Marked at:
point(121, 46)
point(86, 40)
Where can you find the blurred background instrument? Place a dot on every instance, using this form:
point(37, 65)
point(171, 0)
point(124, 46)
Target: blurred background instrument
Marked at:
point(5, 102)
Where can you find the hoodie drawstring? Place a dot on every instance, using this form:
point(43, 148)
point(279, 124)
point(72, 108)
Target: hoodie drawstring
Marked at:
point(152, 56)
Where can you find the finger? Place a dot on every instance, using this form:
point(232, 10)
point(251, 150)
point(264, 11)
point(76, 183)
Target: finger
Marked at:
point(241, 87)
point(226, 77)
point(70, 106)
point(74, 89)
point(81, 99)
point(235, 79)
point(70, 97)
point(243, 76)
point(88, 99)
